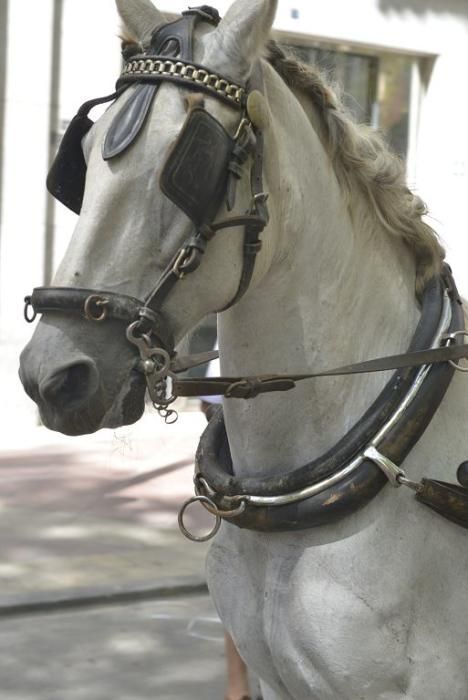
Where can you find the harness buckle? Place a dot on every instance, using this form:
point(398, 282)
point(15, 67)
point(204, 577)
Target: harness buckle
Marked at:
point(244, 389)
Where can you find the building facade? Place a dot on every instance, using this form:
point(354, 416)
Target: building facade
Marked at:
point(402, 63)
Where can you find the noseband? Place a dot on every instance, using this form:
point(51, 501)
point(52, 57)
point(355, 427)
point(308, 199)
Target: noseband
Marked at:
point(200, 173)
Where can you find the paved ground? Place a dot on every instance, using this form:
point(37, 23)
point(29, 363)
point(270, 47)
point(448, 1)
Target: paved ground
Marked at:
point(88, 530)
point(97, 515)
point(161, 650)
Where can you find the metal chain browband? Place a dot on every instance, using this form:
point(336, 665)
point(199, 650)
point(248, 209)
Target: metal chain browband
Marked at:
point(144, 66)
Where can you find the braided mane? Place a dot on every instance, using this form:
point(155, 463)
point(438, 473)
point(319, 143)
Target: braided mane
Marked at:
point(363, 162)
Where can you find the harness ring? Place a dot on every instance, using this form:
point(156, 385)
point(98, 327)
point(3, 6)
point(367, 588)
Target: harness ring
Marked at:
point(189, 535)
point(89, 306)
point(30, 318)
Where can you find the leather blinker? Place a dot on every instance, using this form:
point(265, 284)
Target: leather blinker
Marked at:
point(67, 176)
point(195, 174)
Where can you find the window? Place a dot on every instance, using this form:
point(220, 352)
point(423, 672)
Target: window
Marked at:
point(376, 88)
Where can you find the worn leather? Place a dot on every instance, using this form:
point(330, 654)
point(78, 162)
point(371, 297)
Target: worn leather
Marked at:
point(173, 40)
point(67, 176)
point(449, 500)
point(126, 127)
point(195, 174)
point(214, 462)
point(119, 307)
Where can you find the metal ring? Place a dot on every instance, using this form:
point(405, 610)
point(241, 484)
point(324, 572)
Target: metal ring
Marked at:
point(162, 361)
point(179, 263)
point(187, 533)
point(27, 304)
point(92, 301)
point(243, 124)
point(132, 336)
point(452, 337)
point(214, 510)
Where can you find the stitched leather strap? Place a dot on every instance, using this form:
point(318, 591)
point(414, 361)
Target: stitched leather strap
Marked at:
point(250, 387)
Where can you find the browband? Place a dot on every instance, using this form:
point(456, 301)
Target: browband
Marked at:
point(147, 68)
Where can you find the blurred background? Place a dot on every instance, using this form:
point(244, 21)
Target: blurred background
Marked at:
point(96, 516)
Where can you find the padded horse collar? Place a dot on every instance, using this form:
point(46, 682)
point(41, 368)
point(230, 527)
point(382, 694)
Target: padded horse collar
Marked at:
point(353, 472)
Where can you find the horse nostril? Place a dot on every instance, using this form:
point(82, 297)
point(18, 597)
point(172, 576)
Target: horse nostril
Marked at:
point(72, 386)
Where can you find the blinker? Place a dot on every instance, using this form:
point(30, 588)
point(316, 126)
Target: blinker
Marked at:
point(195, 174)
point(67, 176)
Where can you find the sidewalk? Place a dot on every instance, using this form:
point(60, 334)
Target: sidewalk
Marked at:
point(94, 519)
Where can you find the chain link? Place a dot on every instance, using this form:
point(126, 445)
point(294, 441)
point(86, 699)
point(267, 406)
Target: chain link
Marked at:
point(186, 71)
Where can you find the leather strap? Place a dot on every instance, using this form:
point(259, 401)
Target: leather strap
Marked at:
point(449, 500)
point(251, 387)
point(99, 306)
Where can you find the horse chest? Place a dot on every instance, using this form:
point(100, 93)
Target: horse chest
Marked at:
point(327, 624)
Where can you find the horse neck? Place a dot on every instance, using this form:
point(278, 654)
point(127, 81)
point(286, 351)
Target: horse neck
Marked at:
point(337, 292)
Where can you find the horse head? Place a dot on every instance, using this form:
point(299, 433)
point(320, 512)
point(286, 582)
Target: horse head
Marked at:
point(169, 188)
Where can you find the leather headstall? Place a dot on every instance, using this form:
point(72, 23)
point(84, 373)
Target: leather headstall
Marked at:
point(201, 171)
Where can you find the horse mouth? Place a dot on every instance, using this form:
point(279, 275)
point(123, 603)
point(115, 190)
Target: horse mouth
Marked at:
point(126, 409)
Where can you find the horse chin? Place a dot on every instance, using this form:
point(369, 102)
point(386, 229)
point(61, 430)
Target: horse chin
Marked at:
point(126, 409)
point(128, 406)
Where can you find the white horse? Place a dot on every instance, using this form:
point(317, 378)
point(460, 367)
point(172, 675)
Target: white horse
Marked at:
point(372, 607)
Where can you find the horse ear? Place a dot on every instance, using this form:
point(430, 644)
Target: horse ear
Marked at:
point(242, 33)
point(140, 17)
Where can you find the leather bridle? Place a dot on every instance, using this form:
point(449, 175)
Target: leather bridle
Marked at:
point(147, 327)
